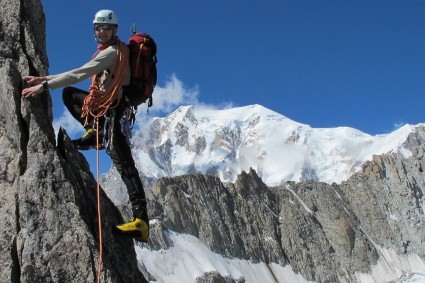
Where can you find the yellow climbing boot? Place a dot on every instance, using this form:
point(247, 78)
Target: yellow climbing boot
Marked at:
point(137, 229)
point(88, 140)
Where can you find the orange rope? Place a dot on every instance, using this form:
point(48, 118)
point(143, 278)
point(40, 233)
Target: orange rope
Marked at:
point(99, 265)
point(98, 102)
point(95, 105)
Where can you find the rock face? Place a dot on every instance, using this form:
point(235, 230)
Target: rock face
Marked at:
point(326, 232)
point(49, 230)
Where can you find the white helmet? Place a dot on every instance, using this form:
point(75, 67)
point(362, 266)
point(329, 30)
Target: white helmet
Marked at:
point(105, 17)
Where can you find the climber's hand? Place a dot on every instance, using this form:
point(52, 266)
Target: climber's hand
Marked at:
point(33, 91)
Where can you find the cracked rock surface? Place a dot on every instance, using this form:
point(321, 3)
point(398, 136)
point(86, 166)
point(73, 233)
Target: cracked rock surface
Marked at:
point(47, 194)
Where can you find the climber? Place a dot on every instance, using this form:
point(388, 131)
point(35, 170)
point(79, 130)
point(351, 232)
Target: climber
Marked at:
point(110, 71)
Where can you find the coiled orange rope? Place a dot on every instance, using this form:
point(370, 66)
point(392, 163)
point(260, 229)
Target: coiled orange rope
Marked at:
point(98, 102)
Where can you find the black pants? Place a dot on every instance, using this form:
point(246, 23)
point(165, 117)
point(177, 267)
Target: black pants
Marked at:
point(120, 151)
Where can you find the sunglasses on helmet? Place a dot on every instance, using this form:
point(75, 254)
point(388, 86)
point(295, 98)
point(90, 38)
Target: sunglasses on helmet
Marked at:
point(104, 27)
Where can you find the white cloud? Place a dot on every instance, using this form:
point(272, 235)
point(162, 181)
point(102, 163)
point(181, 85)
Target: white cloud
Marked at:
point(175, 94)
point(172, 95)
point(398, 125)
point(72, 126)
point(167, 99)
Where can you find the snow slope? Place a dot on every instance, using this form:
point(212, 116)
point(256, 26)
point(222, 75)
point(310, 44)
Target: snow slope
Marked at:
point(189, 259)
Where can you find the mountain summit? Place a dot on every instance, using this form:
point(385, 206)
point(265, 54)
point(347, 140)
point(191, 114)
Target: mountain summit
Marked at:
point(195, 139)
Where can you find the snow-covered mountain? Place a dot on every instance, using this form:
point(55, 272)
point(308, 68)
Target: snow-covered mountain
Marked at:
point(226, 142)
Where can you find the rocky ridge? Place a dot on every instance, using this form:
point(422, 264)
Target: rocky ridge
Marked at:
point(326, 232)
point(47, 193)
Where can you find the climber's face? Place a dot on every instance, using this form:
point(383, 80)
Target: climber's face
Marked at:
point(104, 32)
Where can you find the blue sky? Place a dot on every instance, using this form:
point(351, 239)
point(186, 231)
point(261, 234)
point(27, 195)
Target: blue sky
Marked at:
point(326, 63)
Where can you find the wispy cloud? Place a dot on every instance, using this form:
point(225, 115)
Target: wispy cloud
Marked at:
point(174, 94)
point(73, 128)
point(398, 125)
point(167, 99)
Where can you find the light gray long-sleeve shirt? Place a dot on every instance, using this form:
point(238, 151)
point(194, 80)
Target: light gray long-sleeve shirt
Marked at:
point(101, 64)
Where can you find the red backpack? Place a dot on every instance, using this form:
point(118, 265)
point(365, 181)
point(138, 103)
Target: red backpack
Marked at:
point(143, 69)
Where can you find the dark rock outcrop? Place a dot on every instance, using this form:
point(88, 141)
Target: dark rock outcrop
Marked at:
point(49, 230)
point(326, 232)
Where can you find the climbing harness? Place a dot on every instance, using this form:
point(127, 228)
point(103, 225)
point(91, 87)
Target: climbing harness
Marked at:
point(125, 125)
point(108, 130)
point(127, 121)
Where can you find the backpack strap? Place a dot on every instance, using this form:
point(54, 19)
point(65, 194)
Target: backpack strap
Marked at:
point(138, 56)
